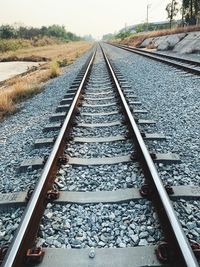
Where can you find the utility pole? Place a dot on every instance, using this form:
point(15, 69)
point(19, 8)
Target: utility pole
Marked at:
point(148, 6)
point(172, 13)
point(182, 19)
point(125, 28)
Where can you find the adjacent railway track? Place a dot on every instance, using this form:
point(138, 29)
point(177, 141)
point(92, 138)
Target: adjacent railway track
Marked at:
point(191, 66)
point(99, 100)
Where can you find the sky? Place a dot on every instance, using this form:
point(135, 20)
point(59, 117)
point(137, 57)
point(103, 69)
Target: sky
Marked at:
point(96, 17)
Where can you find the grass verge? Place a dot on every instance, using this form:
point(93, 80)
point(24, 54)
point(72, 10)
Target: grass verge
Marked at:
point(18, 89)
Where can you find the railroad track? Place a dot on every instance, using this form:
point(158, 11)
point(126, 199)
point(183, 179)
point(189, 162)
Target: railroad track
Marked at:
point(97, 125)
point(188, 65)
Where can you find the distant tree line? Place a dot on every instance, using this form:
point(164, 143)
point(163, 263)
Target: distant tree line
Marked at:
point(189, 9)
point(56, 31)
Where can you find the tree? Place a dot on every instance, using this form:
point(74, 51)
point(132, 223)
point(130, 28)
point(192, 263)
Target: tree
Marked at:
point(57, 31)
point(172, 11)
point(123, 35)
point(7, 32)
point(21, 31)
point(191, 9)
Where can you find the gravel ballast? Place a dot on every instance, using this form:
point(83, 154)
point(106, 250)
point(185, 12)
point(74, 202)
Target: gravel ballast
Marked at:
point(99, 178)
point(189, 215)
point(99, 119)
point(100, 132)
point(99, 225)
point(100, 150)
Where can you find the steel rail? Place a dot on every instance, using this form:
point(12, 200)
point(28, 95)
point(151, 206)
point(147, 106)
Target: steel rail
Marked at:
point(170, 60)
point(178, 242)
point(27, 230)
point(183, 60)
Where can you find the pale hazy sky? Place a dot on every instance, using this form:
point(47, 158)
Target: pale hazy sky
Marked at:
point(95, 17)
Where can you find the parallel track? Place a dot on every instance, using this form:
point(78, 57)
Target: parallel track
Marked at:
point(180, 252)
point(190, 66)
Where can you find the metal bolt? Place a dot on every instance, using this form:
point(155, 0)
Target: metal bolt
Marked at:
point(91, 253)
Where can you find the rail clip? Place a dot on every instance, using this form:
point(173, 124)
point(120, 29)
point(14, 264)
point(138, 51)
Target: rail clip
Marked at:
point(69, 138)
point(45, 159)
point(143, 134)
point(53, 194)
point(145, 191)
point(128, 135)
point(195, 247)
point(62, 160)
point(34, 255)
point(153, 156)
point(29, 194)
point(162, 252)
point(134, 156)
point(169, 189)
point(3, 251)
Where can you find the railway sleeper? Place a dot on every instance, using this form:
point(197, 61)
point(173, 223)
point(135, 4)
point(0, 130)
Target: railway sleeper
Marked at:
point(50, 141)
point(57, 126)
point(37, 163)
point(118, 196)
point(62, 109)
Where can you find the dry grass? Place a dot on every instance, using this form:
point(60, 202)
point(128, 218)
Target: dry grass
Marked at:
point(19, 92)
point(6, 104)
point(17, 89)
point(55, 69)
point(137, 39)
point(51, 52)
